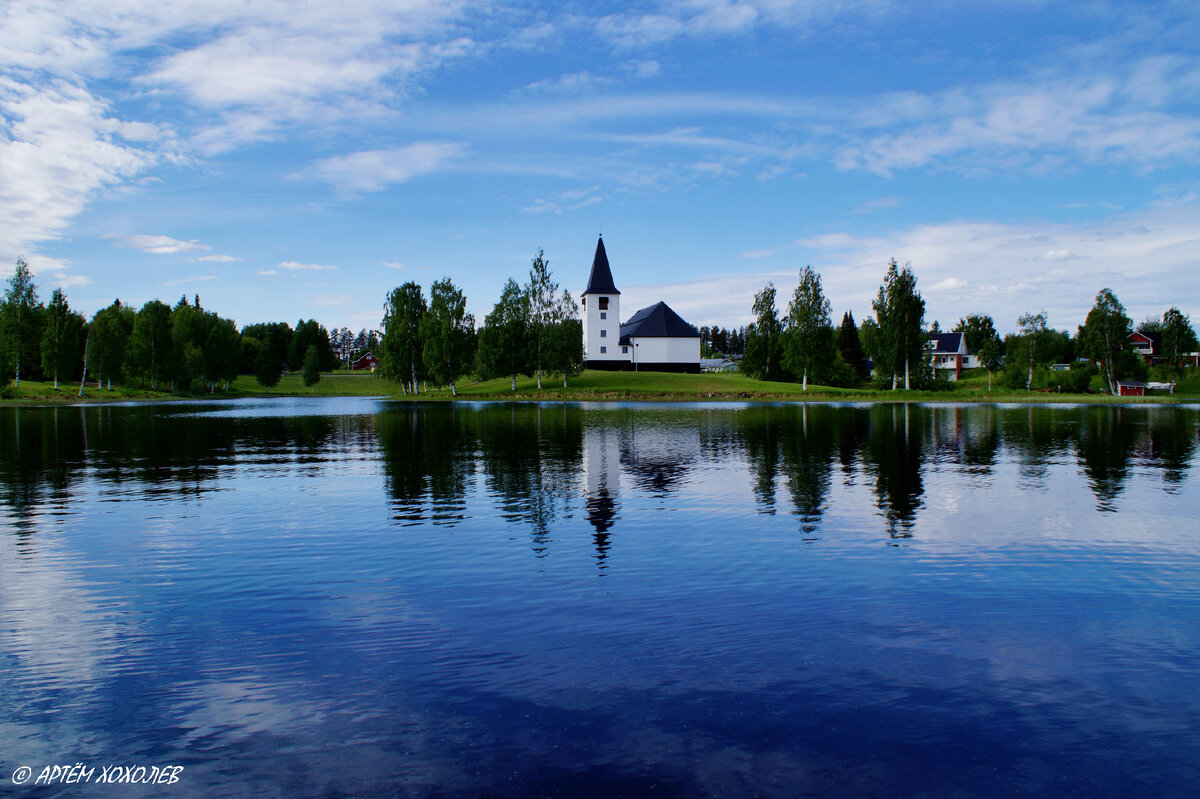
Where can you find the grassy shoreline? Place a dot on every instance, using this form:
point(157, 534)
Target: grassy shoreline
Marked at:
point(591, 386)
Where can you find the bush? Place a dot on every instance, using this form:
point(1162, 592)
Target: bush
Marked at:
point(1075, 381)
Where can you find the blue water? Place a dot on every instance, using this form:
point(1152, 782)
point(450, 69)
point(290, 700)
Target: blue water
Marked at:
point(308, 597)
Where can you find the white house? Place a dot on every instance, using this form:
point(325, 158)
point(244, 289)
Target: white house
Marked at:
point(653, 339)
point(949, 353)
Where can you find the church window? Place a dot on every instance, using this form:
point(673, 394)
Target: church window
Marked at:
point(603, 350)
point(604, 303)
point(603, 315)
point(603, 334)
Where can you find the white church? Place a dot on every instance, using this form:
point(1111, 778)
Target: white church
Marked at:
point(655, 339)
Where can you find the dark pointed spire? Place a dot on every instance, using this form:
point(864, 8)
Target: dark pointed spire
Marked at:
point(600, 281)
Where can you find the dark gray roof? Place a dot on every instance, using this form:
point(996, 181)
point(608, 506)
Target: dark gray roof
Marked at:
point(600, 280)
point(945, 342)
point(657, 321)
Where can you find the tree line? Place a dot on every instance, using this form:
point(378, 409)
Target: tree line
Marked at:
point(183, 347)
point(533, 329)
point(803, 345)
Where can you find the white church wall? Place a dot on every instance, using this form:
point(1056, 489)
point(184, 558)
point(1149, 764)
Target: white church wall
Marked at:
point(593, 324)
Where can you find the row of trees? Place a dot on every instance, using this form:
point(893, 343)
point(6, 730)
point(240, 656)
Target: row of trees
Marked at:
point(157, 346)
point(802, 345)
point(533, 329)
point(720, 341)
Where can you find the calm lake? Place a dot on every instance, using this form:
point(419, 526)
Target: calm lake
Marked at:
point(352, 597)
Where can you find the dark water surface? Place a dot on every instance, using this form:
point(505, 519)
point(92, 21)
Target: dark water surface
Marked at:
point(353, 597)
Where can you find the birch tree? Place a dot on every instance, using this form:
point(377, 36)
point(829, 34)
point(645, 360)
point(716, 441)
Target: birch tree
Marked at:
point(402, 356)
point(1032, 327)
point(545, 312)
point(808, 343)
point(19, 318)
point(1105, 336)
point(447, 333)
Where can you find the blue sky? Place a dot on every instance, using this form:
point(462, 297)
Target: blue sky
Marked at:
point(289, 161)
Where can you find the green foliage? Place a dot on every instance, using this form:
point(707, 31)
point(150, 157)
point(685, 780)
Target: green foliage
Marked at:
point(764, 339)
point(401, 350)
point(275, 336)
point(151, 347)
point(849, 347)
point(1074, 381)
point(110, 332)
point(979, 329)
point(566, 348)
point(309, 334)
point(1178, 338)
point(546, 310)
point(808, 341)
point(898, 339)
point(21, 323)
point(311, 370)
point(1104, 337)
point(268, 368)
point(222, 352)
point(62, 339)
point(504, 339)
point(448, 335)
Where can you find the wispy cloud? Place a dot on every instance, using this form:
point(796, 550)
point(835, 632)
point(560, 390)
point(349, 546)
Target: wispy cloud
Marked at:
point(374, 170)
point(160, 245)
point(185, 280)
point(296, 266)
point(221, 259)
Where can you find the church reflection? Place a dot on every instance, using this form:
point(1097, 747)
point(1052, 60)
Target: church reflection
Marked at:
point(602, 484)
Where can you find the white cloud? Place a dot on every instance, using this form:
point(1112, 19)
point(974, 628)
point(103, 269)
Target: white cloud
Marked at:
point(221, 259)
point(295, 266)
point(191, 279)
point(374, 170)
point(1057, 255)
point(58, 150)
point(1038, 125)
point(159, 245)
point(267, 272)
point(393, 264)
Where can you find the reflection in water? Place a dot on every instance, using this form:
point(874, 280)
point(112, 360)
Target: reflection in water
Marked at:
point(602, 483)
point(344, 593)
point(537, 461)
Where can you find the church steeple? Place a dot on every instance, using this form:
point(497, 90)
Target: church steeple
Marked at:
point(601, 280)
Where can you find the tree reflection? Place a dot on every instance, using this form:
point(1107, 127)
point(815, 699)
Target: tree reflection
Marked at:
point(531, 457)
point(799, 443)
point(1104, 446)
point(893, 454)
point(428, 458)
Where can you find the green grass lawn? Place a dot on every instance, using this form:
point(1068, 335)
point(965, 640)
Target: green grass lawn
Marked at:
point(593, 385)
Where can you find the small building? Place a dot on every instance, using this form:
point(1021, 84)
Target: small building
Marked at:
point(949, 353)
point(718, 365)
point(655, 339)
point(365, 361)
point(1131, 388)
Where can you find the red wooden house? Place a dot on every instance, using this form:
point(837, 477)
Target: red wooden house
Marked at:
point(365, 361)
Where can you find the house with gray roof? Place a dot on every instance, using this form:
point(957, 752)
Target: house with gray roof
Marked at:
point(654, 339)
